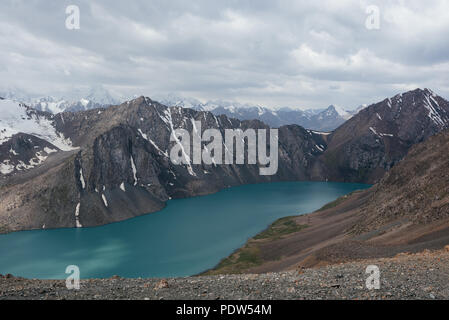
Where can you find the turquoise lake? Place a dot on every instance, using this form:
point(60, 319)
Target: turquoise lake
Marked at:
point(185, 238)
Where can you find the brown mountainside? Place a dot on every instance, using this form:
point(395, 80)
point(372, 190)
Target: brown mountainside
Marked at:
point(407, 211)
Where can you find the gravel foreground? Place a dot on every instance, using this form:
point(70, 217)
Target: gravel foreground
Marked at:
point(407, 276)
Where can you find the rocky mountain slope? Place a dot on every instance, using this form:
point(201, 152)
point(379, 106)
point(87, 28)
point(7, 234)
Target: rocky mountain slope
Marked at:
point(407, 211)
point(116, 163)
point(108, 164)
point(375, 139)
point(415, 192)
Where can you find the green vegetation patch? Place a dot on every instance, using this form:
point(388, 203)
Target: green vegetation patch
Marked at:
point(244, 258)
point(250, 255)
point(280, 228)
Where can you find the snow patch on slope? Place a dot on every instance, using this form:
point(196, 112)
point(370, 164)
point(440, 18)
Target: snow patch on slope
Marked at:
point(153, 143)
point(77, 213)
point(83, 183)
point(169, 122)
point(16, 118)
point(433, 111)
point(6, 167)
point(104, 200)
point(133, 167)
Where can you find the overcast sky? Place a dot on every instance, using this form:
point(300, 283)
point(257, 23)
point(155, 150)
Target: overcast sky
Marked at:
point(273, 53)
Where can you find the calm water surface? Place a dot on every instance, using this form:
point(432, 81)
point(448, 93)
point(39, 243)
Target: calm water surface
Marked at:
point(187, 237)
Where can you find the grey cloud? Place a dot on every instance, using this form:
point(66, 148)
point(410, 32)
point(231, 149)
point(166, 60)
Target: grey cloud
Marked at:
point(274, 53)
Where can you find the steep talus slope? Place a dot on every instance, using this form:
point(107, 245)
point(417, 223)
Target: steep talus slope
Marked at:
point(379, 136)
point(415, 192)
point(407, 211)
point(120, 166)
point(43, 200)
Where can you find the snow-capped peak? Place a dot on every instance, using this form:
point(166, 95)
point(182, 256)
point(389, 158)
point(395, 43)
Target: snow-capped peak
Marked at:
point(49, 104)
point(84, 102)
point(341, 112)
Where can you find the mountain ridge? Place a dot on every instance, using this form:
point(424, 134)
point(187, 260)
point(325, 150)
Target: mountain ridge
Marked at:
point(118, 167)
point(376, 138)
point(326, 119)
point(121, 167)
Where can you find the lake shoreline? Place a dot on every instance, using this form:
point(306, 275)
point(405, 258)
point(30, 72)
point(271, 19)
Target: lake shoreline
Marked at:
point(4, 231)
point(192, 234)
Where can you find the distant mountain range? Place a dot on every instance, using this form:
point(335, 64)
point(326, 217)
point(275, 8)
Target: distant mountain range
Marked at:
point(78, 100)
point(327, 119)
point(103, 165)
